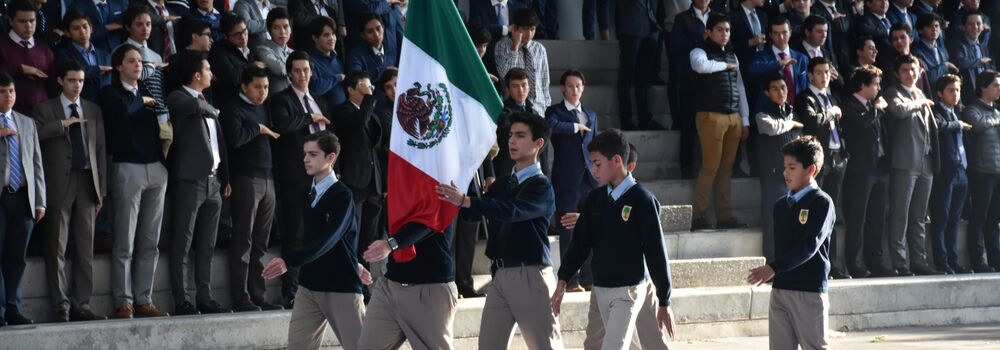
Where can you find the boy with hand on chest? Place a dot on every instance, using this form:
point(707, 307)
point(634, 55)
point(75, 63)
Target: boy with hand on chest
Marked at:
point(803, 223)
point(619, 224)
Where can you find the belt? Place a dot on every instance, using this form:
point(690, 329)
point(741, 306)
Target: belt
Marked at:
point(502, 263)
point(211, 174)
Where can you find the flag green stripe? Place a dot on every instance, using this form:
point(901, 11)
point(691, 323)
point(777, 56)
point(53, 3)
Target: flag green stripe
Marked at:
point(436, 28)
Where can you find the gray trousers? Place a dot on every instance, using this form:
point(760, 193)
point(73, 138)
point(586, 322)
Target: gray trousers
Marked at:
point(521, 296)
point(796, 319)
point(137, 196)
point(422, 314)
point(75, 214)
point(909, 192)
point(196, 205)
point(647, 336)
point(253, 210)
point(313, 311)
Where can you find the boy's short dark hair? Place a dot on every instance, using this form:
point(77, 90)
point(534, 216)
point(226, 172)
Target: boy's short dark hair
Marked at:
point(965, 17)
point(778, 20)
point(326, 140)
point(526, 18)
point(539, 127)
point(714, 19)
point(320, 23)
point(984, 79)
point(189, 63)
point(73, 15)
point(6, 79)
point(16, 6)
point(812, 21)
point(191, 27)
point(572, 73)
point(368, 17)
point(387, 75)
point(633, 154)
point(859, 43)
point(352, 78)
point(944, 81)
point(927, 20)
point(770, 78)
point(118, 56)
point(252, 72)
point(68, 66)
point(815, 61)
point(515, 74)
point(863, 75)
point(806, 150)
point(276, 14)
point(610, 143)
point(479, 34)
point(134, 12)
point(297, 55)
point(903, 59)
point(900, 26)
point(228, 22)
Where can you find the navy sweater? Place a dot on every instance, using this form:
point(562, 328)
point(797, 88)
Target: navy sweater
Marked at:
point(328, 253)
point(433, 263)
point(622, 248)
point(802, 250)
point(519, 218)
point(133, 131)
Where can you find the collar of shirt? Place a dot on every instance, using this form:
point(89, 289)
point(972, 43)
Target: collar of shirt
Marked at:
point(154, 4)
point(817, 91)
point(571, 107)
point(950, 110)
point(880, 17)
point(98, 2)
point(247, 99)
point(626, 184)
point(66, 102)
point(527, 172)
point(787, 51)
point(194, 93)
point(323, 185)
point(355, 104)
point(499, 2)
point(245, 51)
point(746, 10)
point(931, 44)
point(901, 9)
point(703, 16)
point(379, 51)
point(810, 48)
point(84, 51)
point(208, 13)
point(299, 93)
point(17, 39)
point(129, 88)
point(862, 99)
point(9, 115)
point(262, 6)
point(909, 91)
point(136, 43)
point(797, 196)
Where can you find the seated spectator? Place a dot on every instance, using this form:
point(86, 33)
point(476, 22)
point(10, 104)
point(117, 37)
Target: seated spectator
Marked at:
point(28, 61)
point(984, 174)
point(165, 24)
point(81, 49)
point(518, 50)
point(304, 12)
point(865, 52)
point(874, 23)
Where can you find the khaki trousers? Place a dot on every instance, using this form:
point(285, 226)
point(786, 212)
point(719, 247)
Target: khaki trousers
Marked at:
point(798, 318)
point(647, 332)
point(719, 135)
point(520, 295)
point(420, 313)
point(344, 312)
point(619, 308)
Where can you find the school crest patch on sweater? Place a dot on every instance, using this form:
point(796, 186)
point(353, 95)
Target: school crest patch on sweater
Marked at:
point(804, 216)
point(626, 212)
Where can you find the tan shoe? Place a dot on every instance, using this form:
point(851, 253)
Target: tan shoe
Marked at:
point(574, 288)
point(149, 310)
point(125, 311)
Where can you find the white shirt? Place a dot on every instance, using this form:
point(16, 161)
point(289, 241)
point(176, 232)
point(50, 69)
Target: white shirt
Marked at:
point(320, 187)
point(577, 111)
point(132, 88)
point(312, 105)
point(265, 9)
point(17, 39)
point(777, 52)
point(379, 51)
point(703, 16)
point(833, 144)
point(812, 51)
point(505, 11)
point(213, 134)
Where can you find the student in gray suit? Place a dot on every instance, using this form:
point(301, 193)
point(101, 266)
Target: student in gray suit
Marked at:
point(24, 189)
point(914, 151)
point(198, 181)
point(71, 133)
point(274, 51)
point(254, 12)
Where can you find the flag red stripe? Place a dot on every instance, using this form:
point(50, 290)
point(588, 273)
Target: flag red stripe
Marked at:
point(412, 198)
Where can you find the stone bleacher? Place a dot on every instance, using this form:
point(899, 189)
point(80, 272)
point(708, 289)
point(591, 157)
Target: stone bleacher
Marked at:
point(710, 298)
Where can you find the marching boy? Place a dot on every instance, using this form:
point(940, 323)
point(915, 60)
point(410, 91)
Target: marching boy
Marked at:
point(620, 224)
point(803, 222)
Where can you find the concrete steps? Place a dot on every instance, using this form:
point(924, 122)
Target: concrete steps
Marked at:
point(702, 313)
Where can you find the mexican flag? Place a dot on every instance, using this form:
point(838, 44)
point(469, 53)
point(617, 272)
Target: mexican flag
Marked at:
point(444, 121)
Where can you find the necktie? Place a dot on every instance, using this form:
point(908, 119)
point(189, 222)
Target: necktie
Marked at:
point(14, 150)
point(834, 135)
point(26, 44)
point(885, 23)
point(529, 65)
point(501, 20)
point(755, 26)
point(314, 127)
point(41, 20)
point(135, 91)
point(102, 7)
point(381, 57)
point(961, 145)
point(580, 117)
point(817, 53)
point(77, 140)
point(167, 47)
point(789, 79)
point(513, 181)
point(979, 56)
point(312, 195)
point(611, 198)
point(878, 131)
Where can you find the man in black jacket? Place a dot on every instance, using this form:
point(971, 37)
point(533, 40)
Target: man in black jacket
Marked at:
point(356, 124)
point(229, 58)
point(246, 122)
point(296, 114)
point(874, 23)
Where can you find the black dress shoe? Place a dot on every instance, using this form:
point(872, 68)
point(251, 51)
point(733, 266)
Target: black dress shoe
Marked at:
point(961, 270)
point(185, 308)
point(858, 272)
point(983, 269)
point(700, 224)
point(3, 323)
point(837, 274)
point(903, 272)
point(265, 306)
point(730, 224)
point(946, 270)
point(79, 314)
point(61, 315)
point(245, 306)
point(17, 319)
point(924, 270)
point(884, 272)
point(212, 307)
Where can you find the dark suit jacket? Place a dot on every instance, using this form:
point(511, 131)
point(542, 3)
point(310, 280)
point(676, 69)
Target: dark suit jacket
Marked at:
point(868, 24)
point(866, 129)
point(837, 85)
point(158, 33)
point(290, 120)
point(360, 133)
point(765, 63)
point(963, 55)
point(839, 36)
point(227, 66)
point(811, 112)
point(896, 16)
point(104, 39)
point(635, 18)
point(571, 161)
point(742, 31)
point(911, 124)
point(190, 156)
point(933, 65)
point(949, 137)
point(94, 79)
point(483, 13)
point(303, 12)
point(57, 151)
